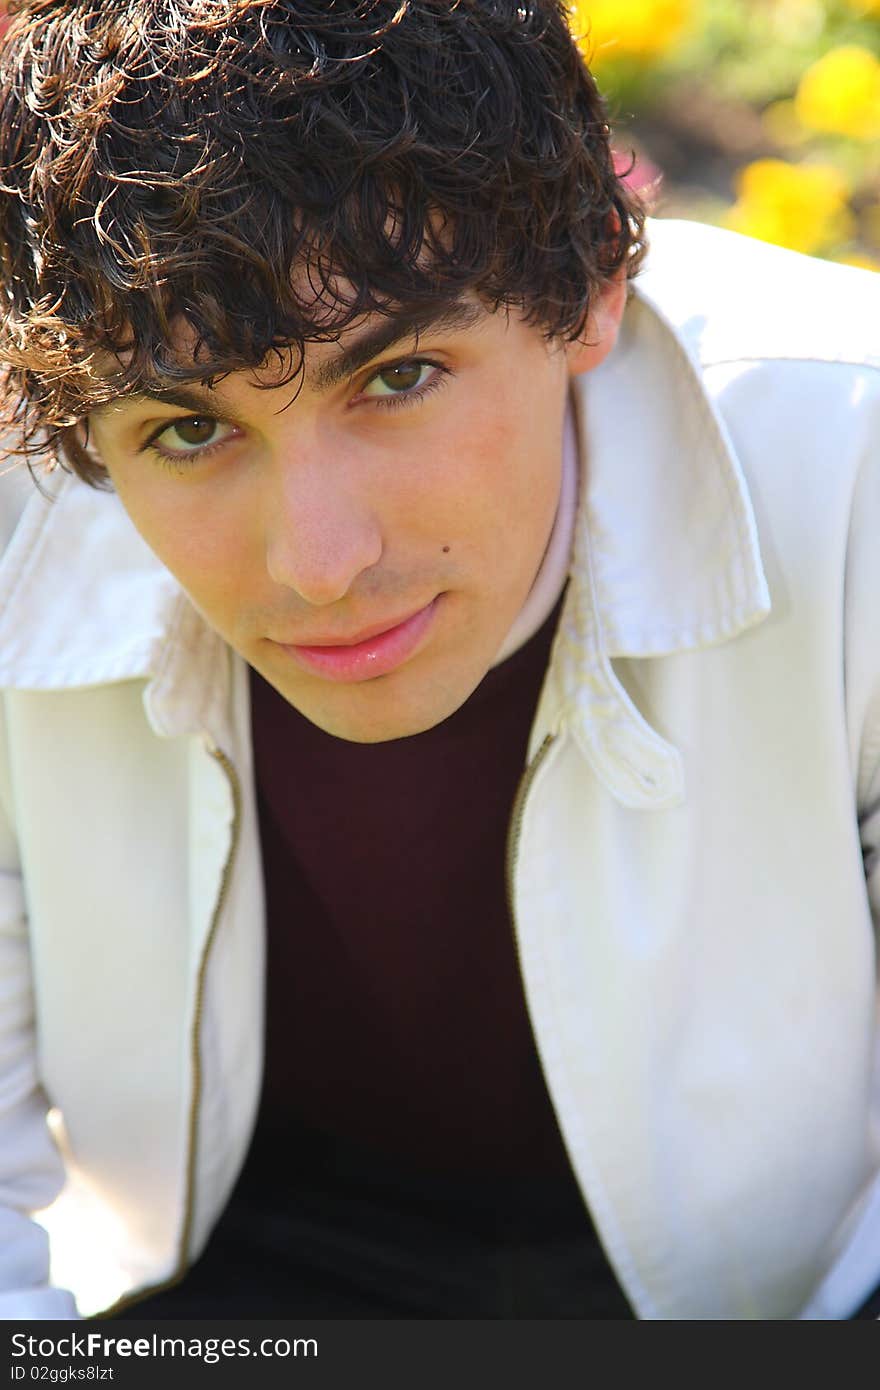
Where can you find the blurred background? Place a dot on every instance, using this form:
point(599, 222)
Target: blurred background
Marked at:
point(758, 115)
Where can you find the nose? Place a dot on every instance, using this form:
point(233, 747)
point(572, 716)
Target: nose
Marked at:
point(322, 534)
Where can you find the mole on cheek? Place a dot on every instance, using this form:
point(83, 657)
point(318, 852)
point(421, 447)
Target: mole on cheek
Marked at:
point(446, 550)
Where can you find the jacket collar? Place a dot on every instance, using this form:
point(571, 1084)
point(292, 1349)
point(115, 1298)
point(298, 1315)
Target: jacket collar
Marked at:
point(667, 531)
point(665, 556)
point(665, 559)
point(83, 602)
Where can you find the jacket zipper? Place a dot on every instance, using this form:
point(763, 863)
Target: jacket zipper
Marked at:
point(129, 1300)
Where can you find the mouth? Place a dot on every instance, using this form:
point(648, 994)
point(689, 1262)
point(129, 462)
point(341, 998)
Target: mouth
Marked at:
point(361, 657)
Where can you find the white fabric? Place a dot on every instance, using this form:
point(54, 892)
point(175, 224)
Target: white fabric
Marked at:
point(696, 875)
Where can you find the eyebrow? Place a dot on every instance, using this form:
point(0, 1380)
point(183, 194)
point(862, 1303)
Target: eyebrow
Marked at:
point(200, 402)
point(398, 328)
point(455, 316)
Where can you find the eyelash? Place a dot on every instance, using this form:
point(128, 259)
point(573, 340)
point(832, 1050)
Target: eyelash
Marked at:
point(180, 463)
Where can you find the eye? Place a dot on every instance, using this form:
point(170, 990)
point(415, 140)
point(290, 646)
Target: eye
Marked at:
point(198, 431)
point(189, 436)
point(401, 378)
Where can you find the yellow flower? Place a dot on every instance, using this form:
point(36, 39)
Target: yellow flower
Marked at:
point(840, 93)
point(802, 206)
point(607, 29)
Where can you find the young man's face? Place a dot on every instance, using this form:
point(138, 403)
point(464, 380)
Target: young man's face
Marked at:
point(367, 545)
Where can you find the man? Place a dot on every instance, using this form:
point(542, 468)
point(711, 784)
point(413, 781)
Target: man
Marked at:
point(483, 619)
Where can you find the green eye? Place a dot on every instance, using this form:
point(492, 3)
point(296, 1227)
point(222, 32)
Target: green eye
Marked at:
point(400, 378)
point(195, 432)
point(190, 437)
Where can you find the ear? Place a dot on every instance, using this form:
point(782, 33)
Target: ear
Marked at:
point(603, 324)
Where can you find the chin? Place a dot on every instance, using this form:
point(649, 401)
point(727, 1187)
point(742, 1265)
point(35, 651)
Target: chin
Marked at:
point(376, 730)
point(383, 715)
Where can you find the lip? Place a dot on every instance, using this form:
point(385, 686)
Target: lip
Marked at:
point(370, 656)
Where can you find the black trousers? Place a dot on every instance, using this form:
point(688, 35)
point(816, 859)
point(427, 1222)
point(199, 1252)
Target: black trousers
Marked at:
point(338, 1232)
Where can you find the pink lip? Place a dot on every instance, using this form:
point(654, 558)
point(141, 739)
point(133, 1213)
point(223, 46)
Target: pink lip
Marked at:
point(372, 656)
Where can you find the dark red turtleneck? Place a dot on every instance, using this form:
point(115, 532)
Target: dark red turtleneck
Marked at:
point(396, 1016)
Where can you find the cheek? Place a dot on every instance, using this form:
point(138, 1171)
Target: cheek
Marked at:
point(488, 483)
point(214, 562)
point(514, 461)
point(203, 547)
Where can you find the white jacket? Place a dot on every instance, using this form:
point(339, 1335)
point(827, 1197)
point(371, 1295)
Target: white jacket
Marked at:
point(695, 922)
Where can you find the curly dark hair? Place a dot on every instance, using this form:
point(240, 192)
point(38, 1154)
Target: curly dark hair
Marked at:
point(168, 161)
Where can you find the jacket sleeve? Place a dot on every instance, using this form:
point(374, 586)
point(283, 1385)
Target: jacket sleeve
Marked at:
point(31, 1171)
